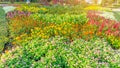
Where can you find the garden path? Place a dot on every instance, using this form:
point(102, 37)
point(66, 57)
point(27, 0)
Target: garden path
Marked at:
point(116, 9)
point(113, 15)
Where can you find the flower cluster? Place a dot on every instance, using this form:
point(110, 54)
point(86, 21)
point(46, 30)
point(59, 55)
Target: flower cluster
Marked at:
point(58, 52)
point(17, 13)
point(97, 8)
point(68, 30)
point(109, 27)
point(31, 9)
point(106, 26)
point(22, 24)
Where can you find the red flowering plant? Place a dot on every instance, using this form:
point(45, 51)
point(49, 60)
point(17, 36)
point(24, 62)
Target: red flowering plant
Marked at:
point(105, 26)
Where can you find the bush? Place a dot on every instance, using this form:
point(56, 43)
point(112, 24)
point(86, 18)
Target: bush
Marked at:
point(57, 19)
point(114, 41)
point(58, 52)
point(32, 9)
point(54, 9)
point(3, 40)
point(58, 9)
point(21, 24)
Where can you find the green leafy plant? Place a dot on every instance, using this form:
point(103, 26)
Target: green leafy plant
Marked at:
point(32, 9)
point(114, 41)
point(58, 52)
point(55, 18)
point(58, 9)
point(3, 40)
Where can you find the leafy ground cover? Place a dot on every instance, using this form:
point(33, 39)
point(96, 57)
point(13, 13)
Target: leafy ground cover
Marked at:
point(44, 38)
point(58, 52)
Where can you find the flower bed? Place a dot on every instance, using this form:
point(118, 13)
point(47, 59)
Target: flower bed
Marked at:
point(61, 40)
point(58, 52)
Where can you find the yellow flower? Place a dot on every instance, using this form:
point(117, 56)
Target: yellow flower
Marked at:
point(64, 32)
point(18, 38)
point(44, 9)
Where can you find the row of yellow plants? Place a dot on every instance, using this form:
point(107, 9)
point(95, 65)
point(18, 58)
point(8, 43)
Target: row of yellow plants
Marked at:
point(97, 8)
point(67, 30)
point(31, 9)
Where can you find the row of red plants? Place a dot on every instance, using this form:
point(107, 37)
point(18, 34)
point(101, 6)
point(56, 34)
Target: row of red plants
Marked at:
point(106, 26)
point(109, 29)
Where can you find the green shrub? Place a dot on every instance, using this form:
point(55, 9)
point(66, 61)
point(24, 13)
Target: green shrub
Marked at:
point(32, 9)
point(59, 53)
point(3, 40)
point(58, 9)
point(54, 9)
point(57, 19)
point(114, 41)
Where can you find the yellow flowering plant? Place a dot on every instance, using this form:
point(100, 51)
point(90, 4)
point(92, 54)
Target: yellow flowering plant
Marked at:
point(97, 8)
point(31, 9)
point(114, 41)
point(88, 31)
point(68, 30)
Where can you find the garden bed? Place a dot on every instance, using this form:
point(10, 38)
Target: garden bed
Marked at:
point(42, 37)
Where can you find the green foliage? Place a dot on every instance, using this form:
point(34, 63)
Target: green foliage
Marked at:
point(57, 19)
point(3, 40)
point(58, 53)
point(58, 9)
point(51, 39)
point(32, 9)
point(114, 41)
point(54, 9)
point(3, 30)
